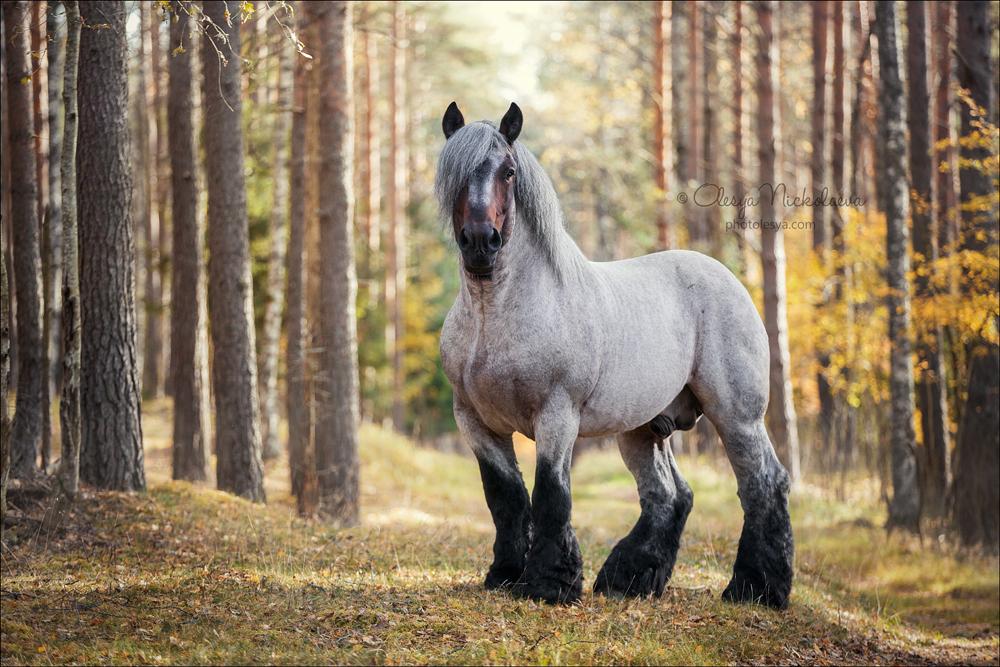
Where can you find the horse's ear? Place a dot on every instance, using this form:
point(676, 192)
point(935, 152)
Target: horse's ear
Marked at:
point(510, 126)
point(453, 121)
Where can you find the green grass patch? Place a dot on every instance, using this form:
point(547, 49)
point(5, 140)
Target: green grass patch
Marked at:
point(184, 574)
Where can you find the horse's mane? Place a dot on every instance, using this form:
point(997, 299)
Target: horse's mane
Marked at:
point(537, 203)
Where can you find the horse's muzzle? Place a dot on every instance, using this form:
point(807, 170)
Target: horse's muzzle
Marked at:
point(479, 245)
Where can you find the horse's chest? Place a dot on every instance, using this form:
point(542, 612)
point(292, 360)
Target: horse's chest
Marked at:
point(501, 384)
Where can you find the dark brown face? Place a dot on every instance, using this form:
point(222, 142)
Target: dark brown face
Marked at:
point(483, 216)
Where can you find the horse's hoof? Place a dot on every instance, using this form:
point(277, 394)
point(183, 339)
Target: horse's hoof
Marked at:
point(752, 587)
point(625, 579)
point(503, 577)
point(552, 593)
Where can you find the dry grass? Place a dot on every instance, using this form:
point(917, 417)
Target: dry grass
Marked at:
point(184, 574)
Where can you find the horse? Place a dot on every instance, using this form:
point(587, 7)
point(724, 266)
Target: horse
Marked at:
point(542, 341)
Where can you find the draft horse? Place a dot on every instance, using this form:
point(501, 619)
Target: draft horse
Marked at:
point(544, 342)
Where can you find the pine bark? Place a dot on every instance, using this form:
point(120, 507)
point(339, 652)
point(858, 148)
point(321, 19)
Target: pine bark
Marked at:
point(55, 57)
point(372, 154)
point(40, 93)
point(976, 489)
point(842, 427)
point(709, 216)
point(276, 260)
point(26, 436)
point(161, 166)
point(696, 235)
point(395, 270)
point(152, 376)
point(239, 468)
point(7, 231)
point(678, 79)
point(781, 410)
point(67, 485)
point(904, 508)
point(337, 410)
point(947, 216)
point(189, 315)
point(4, 409)
point(662, 112)
point(740, 120)
point(301, 461)
point(820, 32)
point(838, 132)
point(930, 389)
point(111, 454)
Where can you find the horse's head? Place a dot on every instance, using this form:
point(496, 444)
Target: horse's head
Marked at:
point(482, 208)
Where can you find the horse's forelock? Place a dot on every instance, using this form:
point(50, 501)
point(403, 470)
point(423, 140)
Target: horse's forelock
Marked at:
point(462, 154)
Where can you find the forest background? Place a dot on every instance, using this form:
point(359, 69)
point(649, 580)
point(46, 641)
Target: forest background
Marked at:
point(881, 311)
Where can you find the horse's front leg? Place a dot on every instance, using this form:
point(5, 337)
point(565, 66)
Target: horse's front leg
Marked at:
point(554, 571)
point(506, 497)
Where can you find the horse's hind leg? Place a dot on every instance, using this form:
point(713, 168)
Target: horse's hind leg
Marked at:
point(506, 497)
point(763, 569)
point(643, 561)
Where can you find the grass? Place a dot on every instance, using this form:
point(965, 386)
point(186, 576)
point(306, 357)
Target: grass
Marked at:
point(184, 574)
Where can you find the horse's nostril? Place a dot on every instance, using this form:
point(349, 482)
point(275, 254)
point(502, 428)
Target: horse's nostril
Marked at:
point(464, 240)
point(495, 241)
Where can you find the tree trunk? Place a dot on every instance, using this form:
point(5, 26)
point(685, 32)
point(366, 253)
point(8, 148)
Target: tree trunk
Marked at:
point(372, 161)
point(838, 135)
point(842, 427)
point(240, 468)
point(696, 235)
point(160, 167)
point(26, 436)
point(930, 391)
point(904, 509)
point(276, 263)
point(301, 461)
point(7, 231)
point(55, 57)
point(678, 74)
point(740, 120)
point(337, 409)
point(67, 485)
point(189, 316)
point(820, 33)
point(818, 169)
point(111, 454)
point(947, 216)
point(395, 270)
point(662, 113)
point(977, 506)
point(4, 410)
point(40, 93)
point(152, 378)
point(781, 409)
point(709, 216)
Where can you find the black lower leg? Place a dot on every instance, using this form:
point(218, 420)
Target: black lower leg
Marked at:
point(763, 569)
point(643, 562)
point(554, 569)
point(510, 506)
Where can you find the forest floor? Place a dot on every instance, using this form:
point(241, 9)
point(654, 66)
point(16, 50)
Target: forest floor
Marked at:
point(183, 574)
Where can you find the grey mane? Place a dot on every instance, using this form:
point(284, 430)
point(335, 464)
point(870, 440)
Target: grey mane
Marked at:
point(536, 200)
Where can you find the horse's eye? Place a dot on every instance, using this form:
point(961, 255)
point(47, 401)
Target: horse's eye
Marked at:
point(510, 174)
